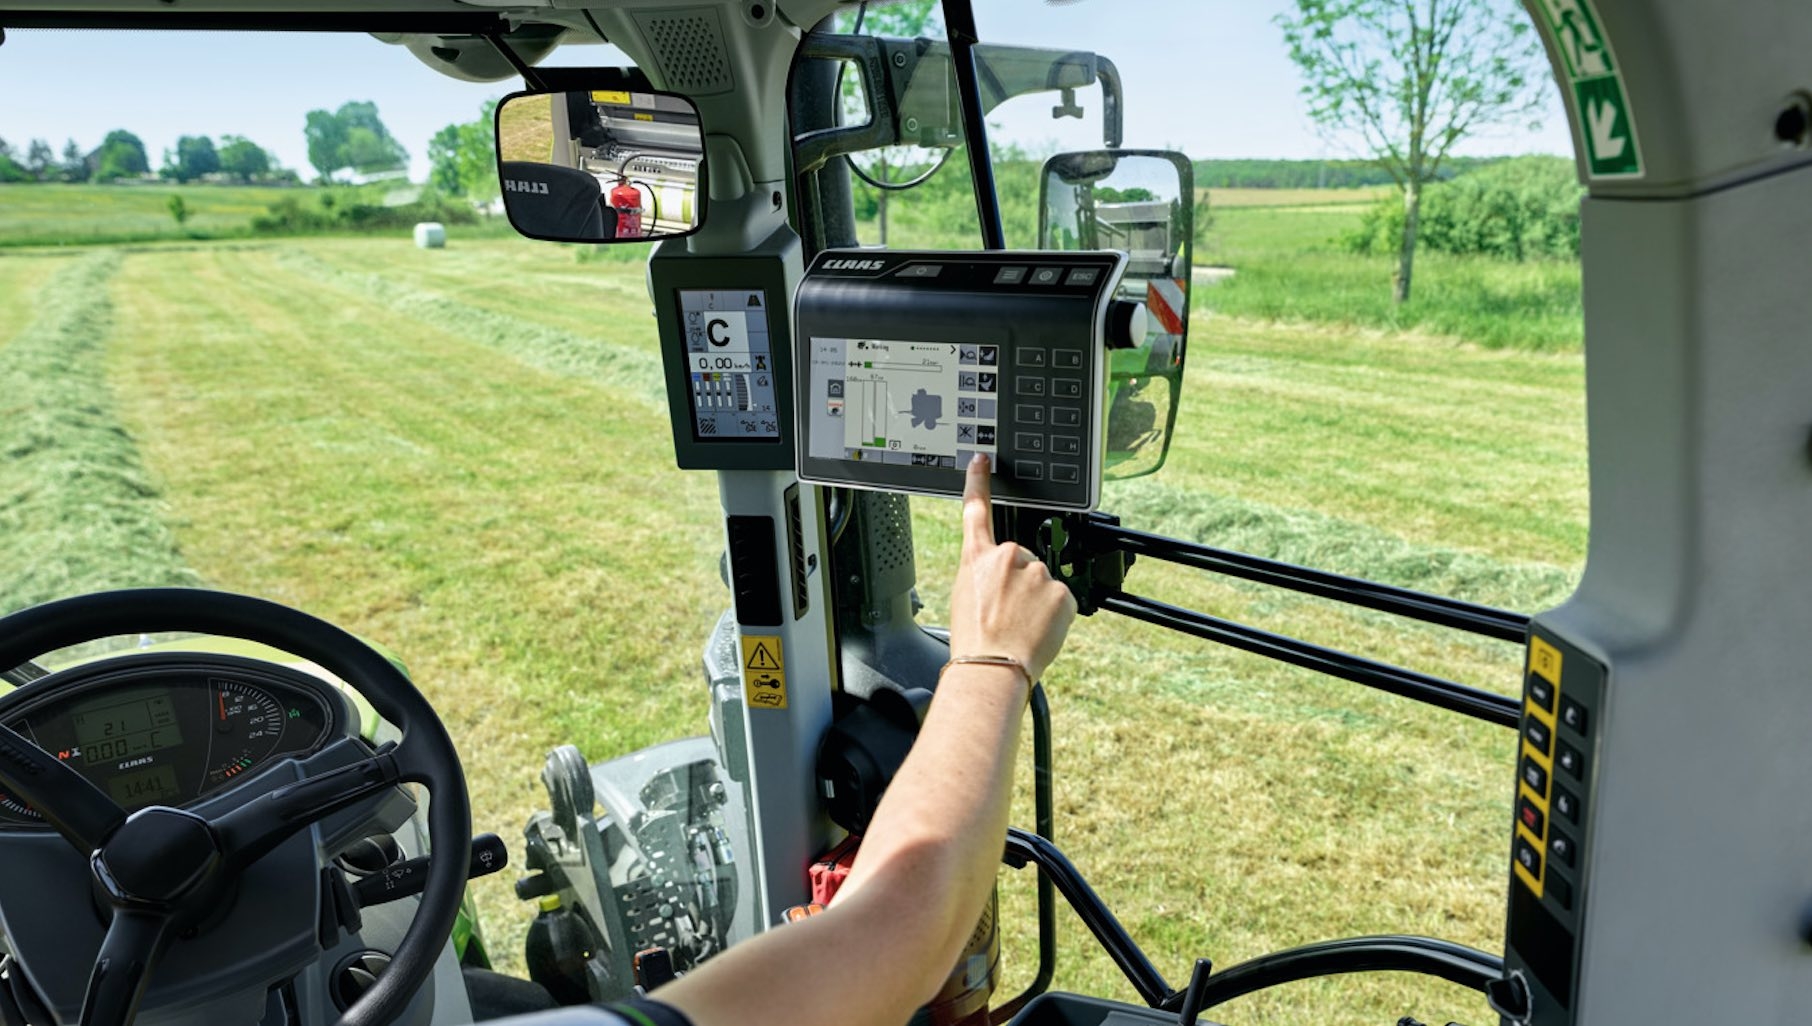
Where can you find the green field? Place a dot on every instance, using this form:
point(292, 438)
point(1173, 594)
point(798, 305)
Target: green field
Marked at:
point(463, 454)
point(1290, 267)
point(74, 214)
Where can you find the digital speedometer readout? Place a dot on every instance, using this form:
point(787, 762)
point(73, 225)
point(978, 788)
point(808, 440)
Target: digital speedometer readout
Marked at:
point(167, 737)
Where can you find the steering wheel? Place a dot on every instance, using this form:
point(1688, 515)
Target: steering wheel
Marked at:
point(162, 869)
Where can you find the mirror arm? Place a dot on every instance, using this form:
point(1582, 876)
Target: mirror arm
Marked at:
point(530, 77)
point(1112, 102)
point(812, 150)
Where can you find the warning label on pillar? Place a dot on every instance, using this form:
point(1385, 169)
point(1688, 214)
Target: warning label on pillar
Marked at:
point(763, 672)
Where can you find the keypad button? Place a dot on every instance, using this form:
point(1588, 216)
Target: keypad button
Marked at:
point(1047, 276)
point(1529, 815)
point(1029, 385)
point(1031, 356)
point(1560, 847)
point(1009, 276)
point(1026, 413)
point(1570, 759)
point(1066, 473)
point(1528, 856)
point(1560, 890)
point(1535, 777)
point(1566, 806)
point(1083, 276)
point(1573, 716)
point(1028, 470)
point(1066, 416)
point(1541, 692)
point(1063, 388)
point(1538, 734)
point(1028, 443)
point(1066, 445)
point(1068, 359)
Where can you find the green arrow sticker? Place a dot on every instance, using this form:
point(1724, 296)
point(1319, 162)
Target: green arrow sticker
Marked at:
point(1610, 137)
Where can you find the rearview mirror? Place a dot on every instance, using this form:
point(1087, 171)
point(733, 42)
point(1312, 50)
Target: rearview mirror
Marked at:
point(601, 165)
point(1142, 203)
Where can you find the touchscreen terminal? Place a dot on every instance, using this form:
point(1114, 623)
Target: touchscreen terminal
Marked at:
point(911, 362)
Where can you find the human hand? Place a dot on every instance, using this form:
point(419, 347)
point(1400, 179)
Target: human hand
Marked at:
point(1005, 601)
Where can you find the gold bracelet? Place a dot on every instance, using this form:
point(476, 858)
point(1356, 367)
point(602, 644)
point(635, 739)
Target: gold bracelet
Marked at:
point(990, 660)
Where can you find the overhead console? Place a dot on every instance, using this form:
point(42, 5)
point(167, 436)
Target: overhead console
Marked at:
point(908, 363)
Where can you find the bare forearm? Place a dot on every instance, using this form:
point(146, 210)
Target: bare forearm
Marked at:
point(944, 817)
point(922, 877)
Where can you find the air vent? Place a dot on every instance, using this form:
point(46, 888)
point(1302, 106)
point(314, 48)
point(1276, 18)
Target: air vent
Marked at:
point(688, 44)
point(355, 976)
point(892, 527)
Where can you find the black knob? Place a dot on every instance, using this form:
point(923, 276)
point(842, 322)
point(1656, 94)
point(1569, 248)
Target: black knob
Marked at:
point(1509, 997)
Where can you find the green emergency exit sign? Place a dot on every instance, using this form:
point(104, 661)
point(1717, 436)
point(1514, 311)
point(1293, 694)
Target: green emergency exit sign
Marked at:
point(1609, 137)
point(1601, 103)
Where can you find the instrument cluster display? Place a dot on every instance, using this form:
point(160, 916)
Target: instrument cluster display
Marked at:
point(167, 732)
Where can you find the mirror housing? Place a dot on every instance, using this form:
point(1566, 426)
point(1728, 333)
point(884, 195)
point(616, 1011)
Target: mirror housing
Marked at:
point(601, 164)
point(1141, 203)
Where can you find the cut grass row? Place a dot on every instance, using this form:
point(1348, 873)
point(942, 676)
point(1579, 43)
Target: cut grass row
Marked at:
point(78, 512)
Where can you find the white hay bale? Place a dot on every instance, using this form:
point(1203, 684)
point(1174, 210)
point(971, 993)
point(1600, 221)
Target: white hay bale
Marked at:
point(430, 235)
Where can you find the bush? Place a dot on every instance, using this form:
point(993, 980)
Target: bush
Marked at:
point(288, 216)
point(1521, 209)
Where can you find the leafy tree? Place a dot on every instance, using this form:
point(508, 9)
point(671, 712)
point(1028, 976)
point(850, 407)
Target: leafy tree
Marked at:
point(40, 160)
point(179, 211)
point(462, 158)
point(243, 158)
point(1408, 79)
point(194, 156)
point(10, 171)
point(351, 137)
point(75, 164)
point(121, 155)
point(889, 165)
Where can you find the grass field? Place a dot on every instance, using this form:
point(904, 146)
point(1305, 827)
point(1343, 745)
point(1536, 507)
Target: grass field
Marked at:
point(1291, 267)
point(63, 215)
point(74, 214)
point(463, 454)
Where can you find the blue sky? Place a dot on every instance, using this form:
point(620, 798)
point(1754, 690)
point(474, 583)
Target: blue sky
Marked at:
point(1207, 76)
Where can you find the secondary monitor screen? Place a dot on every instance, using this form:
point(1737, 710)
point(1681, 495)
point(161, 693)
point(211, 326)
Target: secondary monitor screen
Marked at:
point(729, 361)
point(911, 363)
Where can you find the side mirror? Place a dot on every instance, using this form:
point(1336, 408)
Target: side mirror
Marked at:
point(1142, 203)
point(601, 165)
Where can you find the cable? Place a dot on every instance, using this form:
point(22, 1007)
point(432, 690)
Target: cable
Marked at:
point(837, 90)
point(899, 186)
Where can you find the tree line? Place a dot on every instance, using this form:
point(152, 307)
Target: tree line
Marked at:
point(122, 155)
point(352, 138)
point(1259, 173)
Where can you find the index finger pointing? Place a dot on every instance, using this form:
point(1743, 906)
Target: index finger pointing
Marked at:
point(978, 514)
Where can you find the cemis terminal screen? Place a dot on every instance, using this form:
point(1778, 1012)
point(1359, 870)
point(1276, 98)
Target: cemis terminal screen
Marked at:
point(910, 363)
point(920, 404)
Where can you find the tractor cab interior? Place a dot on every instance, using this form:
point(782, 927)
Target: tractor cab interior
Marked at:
point(275, 829)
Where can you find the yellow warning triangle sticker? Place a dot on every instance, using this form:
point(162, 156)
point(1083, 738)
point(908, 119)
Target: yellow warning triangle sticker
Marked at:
point(762, 659)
